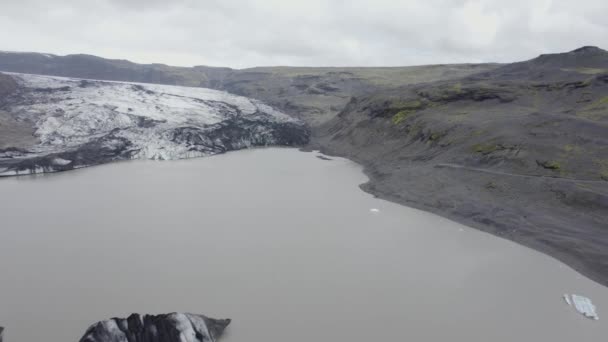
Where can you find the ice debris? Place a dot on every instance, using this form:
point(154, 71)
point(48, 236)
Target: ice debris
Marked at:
point(583, 305)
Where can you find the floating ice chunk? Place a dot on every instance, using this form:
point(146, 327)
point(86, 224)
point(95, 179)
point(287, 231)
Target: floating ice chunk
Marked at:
point(374, 210)
point(61, 162)
point(583, 305)
point(567, 299)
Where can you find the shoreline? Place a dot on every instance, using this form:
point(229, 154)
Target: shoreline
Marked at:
point(485, 222)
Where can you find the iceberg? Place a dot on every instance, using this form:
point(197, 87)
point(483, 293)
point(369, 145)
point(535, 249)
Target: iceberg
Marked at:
point(583, 305)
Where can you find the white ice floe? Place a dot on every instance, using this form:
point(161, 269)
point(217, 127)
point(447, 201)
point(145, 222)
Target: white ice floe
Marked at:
point(374, 210)
point(583, 305)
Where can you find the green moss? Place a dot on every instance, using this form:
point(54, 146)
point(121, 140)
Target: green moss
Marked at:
point(402, 115)
point(477, 133)
point(457, 87)
point(596, 110)
point(486, 148)
point(550, 164)
point(436, 136)
point(572, 150)
point(416, 128)
point(406, 108)
point(600, 103)
point(587, 82)
point(603, 166)
point(410, 105)
point(587, 71)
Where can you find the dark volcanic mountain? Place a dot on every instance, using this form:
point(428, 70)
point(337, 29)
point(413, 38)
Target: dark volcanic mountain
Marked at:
point(519, 150)
point(587, 60)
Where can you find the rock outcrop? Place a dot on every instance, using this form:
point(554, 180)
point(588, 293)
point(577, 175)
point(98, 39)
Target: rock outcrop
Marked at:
point(1, 333)
point(173, 327)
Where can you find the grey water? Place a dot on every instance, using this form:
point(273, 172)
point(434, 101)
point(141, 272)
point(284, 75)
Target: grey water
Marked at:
point(282, 242)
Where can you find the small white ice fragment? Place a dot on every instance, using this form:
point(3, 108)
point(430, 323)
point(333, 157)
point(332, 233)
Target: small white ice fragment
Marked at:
point(567, 299)
point(583, 305)
point(61, 162)
point(374, 210)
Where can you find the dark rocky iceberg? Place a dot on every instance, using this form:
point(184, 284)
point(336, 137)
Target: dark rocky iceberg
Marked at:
point(1, 333)
point(173, 327)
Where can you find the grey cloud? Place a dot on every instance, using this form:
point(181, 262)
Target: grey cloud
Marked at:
point(243, 33)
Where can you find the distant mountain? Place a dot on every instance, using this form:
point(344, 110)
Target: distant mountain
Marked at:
point(587, 60)
point(87, 66)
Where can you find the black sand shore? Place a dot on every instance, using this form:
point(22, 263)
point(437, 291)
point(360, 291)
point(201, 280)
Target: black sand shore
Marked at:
point(459, 195)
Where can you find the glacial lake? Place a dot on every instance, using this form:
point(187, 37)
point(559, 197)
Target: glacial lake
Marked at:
point(282, 242)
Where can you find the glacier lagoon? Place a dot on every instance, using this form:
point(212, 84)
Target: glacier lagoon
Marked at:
point(282, 242)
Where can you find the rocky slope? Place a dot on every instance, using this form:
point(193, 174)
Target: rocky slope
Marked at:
point(174, 327)
point(78, 123)
point(520, 151)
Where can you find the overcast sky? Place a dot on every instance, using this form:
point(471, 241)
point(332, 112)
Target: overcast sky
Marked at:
point(244, 33)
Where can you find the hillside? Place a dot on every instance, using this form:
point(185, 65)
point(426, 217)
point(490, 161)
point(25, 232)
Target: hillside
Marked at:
point(522, 157)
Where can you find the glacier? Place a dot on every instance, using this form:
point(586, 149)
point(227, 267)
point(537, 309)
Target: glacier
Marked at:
point(80, 122)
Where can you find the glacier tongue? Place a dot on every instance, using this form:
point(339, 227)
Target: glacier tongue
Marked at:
point(88, 122)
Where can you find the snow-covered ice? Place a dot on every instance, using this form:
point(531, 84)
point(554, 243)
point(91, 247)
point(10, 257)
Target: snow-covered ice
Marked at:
point(583, 305)
point(148, 121)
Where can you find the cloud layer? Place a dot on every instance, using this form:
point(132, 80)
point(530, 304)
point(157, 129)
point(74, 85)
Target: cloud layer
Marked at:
point(245, 33)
